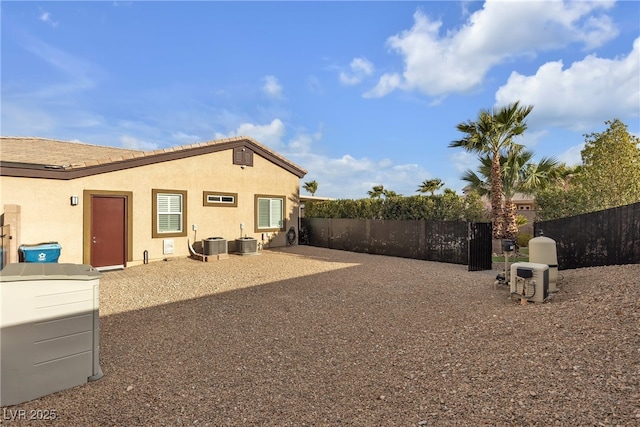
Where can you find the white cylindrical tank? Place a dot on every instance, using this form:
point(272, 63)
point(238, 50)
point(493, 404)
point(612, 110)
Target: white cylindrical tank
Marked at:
point(542, 250)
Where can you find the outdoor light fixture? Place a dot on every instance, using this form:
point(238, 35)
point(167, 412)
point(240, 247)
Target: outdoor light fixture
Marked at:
point(74, 200)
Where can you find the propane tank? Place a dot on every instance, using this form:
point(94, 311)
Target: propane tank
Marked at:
point(542, 250)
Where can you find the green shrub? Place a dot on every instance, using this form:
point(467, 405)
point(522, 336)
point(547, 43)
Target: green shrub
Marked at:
point(523, 239)
point(445, 207)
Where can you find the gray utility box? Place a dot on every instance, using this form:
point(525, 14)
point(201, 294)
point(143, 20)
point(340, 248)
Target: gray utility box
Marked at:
point(529, 281)
point(49, 329)
point(246, 246)
point(214, 246)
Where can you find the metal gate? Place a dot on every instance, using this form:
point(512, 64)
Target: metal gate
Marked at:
point(479, 247)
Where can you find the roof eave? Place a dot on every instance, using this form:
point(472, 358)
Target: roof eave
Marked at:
point(30, 170)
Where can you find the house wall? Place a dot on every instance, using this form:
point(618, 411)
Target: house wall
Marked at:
point(530, 214)
point(47, 215)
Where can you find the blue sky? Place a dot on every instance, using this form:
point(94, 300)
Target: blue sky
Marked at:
point(357, 93)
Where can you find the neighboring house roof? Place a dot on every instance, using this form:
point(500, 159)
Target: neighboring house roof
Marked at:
point(48, 158)
point(517, 197)
point(522, 198)
point(314, 198)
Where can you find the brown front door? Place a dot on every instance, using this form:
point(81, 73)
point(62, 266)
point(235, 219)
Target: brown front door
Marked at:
point(108, 231)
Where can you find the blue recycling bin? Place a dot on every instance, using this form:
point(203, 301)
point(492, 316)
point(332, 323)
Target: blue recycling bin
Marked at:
point(44, 252)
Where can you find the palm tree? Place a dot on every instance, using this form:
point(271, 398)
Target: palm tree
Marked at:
point(537, 176)
point(430, 186)
point(311, 187)
point(564, 175)
point(492, 134)
point(478, 182)
point(519, 175)
point(376, 192)
point(379, 191)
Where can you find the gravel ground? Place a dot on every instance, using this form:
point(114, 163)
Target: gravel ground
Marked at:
point(309, 336)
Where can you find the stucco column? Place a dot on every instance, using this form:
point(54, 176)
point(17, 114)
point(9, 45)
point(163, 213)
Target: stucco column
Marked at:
point(12, 219)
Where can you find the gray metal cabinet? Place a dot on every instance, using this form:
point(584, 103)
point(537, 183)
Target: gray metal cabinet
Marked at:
point(49, 329)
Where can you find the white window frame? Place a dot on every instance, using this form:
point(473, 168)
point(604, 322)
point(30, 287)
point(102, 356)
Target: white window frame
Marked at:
point(275, 214)
point(170, 203)
point(217, 198)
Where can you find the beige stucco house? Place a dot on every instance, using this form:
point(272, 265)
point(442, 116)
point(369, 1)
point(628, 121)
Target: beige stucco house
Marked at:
point(112, 207)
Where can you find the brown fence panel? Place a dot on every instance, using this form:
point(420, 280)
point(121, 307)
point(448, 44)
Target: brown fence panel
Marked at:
point(446, 241)
point(442, 241)
point(394, 238)
point(318, 233)
point(347, 235)
point(609, 237)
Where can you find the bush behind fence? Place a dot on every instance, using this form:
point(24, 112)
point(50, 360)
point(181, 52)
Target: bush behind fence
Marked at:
point(440, 207)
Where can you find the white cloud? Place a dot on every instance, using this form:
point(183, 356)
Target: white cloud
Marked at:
point(46, 18)
point(360, 68)
point(592, 90)
point(303, 141)
point(20, 119)
point(597, 31)
point(185, 138)
point(463, 160)
point(347, 176)
point(387, 84)
point(351, 177)
point(314, 85)
point(80, 75)
point(531, 138)
point(573, 156)
point(437, 62)
point(270, 134)
point(137, 144)
point(272, 87)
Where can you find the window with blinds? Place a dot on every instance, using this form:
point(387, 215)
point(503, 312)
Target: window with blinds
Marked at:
point(169, 213)
point(270, 213)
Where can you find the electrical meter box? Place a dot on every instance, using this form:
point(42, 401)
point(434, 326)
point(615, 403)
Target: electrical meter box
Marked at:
point(508, 245)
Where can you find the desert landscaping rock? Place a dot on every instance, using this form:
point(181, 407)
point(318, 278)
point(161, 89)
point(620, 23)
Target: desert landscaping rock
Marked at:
point(304, 336)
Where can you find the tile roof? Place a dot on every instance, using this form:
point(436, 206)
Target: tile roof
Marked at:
point(58, 153)
point(69, 155)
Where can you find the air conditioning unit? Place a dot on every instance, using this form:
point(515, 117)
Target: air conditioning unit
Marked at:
point(529, 281)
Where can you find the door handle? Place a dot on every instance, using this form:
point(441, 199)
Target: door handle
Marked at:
point(94, 240)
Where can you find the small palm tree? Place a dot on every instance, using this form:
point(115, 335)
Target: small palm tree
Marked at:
point(430, 186)
point(492, 134)
point(311, 187)
point(376, 192)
